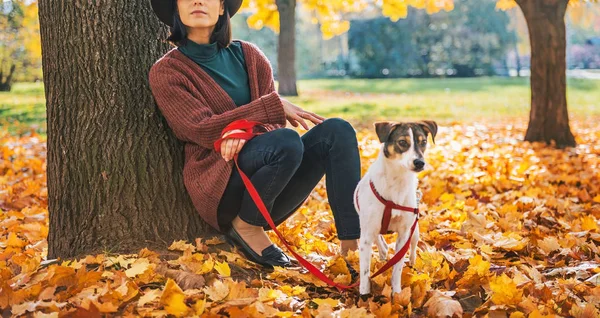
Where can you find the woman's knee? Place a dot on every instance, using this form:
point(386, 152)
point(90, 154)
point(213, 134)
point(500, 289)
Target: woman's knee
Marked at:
point(340, 129)
point(287, 144)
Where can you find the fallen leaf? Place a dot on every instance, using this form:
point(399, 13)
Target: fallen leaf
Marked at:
point(138, 267)
point(441, 306)
point(505, 291)
point(217, 291)
point(149, 296)
point(173, 299)
point(223, 269)
point(182, 278)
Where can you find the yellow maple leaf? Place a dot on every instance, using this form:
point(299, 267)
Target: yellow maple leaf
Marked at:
point(505, 291)
point(589, 223)
point(384, 311)
point(15, 241)
point(172, 298)
point(338, 266)
point(223, 268)
point(478, 269)
point(199, 306)
point(293, 291)
point(138, 267)
point(327, 301)
point(181, 245)
point(268, 294)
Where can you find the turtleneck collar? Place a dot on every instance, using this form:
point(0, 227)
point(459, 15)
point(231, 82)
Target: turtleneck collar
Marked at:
point(200, 52)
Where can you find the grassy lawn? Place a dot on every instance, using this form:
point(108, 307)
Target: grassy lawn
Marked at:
point(445, 100)
point(363, 100)
point(23, 108)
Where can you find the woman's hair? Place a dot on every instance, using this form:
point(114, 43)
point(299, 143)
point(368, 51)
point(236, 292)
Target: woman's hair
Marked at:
point(221, 33)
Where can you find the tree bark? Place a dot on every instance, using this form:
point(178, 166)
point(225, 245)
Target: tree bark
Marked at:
point(114, 169)
point(286, 48)
point(517, 57)
point(6, 84)
point(548, 119)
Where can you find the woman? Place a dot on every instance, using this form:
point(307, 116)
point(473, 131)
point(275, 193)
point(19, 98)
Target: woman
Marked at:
point(209, 81)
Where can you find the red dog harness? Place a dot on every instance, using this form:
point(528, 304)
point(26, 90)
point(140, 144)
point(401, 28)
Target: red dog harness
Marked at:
point(248, 133)
point(387, 211)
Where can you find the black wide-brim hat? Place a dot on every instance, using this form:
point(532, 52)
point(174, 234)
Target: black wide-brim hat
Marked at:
point(164, 9)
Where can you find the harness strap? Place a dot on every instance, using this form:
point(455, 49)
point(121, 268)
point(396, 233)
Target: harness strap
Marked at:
point(389, 206)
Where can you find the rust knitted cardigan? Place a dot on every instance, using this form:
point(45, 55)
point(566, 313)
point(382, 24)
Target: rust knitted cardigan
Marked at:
point(197, 109)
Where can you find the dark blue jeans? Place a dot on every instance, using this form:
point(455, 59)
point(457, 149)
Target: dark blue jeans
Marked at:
point(285, 168)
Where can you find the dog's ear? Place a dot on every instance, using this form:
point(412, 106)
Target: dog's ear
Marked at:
point(384, 129)
point(429, 126)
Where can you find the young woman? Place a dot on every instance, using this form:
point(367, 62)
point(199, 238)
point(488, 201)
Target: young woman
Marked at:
point(209, 81)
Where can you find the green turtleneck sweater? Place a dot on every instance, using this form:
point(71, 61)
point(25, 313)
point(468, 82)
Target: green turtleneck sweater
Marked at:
point(226, 66)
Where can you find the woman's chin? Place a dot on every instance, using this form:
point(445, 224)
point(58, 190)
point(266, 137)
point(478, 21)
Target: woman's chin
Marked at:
point(199, 23)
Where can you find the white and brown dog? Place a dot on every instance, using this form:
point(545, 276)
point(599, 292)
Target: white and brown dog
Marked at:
point(391, 182)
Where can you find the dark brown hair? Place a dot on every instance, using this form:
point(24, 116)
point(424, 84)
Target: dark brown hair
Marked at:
point(221, 33)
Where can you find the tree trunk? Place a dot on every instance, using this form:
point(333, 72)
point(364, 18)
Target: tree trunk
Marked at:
point(286, 48)
point(114, 168)
point(548, 119)
point(6, 84)
point(517, 57)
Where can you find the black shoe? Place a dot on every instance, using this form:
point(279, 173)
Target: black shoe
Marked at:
point(271, 256)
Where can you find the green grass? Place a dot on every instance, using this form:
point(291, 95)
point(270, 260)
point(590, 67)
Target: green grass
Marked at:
point(446, 100)
point(23, 108)
point(364, 100)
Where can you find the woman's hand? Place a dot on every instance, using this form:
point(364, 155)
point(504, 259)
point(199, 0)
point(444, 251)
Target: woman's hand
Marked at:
point(231, 146)
point(296, 115)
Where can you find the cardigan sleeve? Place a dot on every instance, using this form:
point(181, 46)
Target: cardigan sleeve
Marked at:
point(192, 120)
point(266, 82)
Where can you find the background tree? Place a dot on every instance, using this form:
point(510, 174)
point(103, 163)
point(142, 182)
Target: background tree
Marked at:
point(280, 16)
point(11, 17)
point(114, 170)
point(20, 49)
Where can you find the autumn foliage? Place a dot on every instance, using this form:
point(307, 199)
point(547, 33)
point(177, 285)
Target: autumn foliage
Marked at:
point(508, 229)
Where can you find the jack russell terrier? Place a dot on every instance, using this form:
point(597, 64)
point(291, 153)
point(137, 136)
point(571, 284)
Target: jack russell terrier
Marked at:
point(391, 184)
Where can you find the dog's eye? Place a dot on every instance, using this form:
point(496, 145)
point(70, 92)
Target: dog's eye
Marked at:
point(403, 143)
point(423, 143)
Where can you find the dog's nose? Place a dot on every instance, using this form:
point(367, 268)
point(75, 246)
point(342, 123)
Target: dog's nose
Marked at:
point(419, 163)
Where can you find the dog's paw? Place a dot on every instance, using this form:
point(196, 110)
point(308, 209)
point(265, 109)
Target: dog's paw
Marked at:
point(365, 297)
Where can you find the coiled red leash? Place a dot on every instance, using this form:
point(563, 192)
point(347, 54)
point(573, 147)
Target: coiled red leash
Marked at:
point(248, 127)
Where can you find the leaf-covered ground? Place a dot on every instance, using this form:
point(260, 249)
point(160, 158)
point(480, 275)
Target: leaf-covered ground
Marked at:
point(508, 229)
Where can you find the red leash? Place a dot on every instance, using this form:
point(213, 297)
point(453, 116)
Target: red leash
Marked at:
point(247, 127)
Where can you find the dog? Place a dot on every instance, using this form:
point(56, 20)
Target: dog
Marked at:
point(392, 177)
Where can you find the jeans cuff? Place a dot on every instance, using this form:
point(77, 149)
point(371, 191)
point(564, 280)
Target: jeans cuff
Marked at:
point(259, 220)
point(347, 236)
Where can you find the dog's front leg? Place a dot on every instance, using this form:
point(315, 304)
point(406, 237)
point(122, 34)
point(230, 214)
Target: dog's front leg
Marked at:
point(397, 271)
point(414, 241)
point(365, 251)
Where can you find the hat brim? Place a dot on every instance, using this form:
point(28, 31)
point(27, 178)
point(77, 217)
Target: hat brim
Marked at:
point(164, 9)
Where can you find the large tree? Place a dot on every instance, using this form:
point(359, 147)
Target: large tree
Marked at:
point(114, 168)
point(548, 118)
